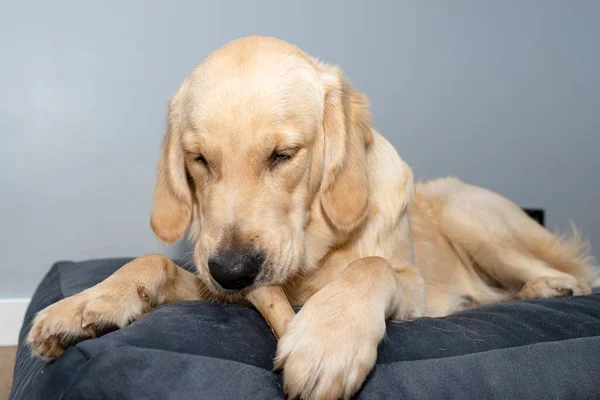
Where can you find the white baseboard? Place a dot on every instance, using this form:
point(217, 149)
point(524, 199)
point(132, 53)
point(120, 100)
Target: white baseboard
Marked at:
point(12, 312)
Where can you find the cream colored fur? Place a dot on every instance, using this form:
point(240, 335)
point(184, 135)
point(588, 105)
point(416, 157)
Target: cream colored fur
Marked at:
point(346, 230)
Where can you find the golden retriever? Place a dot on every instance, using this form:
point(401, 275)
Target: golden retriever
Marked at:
point(271, 163)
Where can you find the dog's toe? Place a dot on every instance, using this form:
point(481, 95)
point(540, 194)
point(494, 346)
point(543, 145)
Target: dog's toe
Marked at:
point(545, 287)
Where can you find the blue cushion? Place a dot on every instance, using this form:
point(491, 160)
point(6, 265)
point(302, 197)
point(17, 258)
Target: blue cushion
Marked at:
point(527, 350)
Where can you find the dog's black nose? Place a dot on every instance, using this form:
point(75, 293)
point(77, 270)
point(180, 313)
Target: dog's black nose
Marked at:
point(235, 270)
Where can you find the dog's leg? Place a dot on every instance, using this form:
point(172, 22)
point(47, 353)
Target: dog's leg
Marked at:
point(532, 277)
point(509, 246)
point(536, 278)
point(123, 297)
point(331, 344)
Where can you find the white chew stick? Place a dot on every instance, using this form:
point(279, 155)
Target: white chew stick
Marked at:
point(274, 306)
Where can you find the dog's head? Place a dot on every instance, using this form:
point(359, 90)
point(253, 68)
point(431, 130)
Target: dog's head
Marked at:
point(262, 142)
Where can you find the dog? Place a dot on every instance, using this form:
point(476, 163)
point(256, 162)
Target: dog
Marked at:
point(272, 166)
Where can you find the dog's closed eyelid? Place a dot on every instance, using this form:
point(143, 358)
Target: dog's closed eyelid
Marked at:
point(279, 156)
point(199, 158)
point(195, 156)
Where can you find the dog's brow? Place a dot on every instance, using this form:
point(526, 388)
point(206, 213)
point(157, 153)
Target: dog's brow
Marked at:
point(195, 142)
point(191, 141)
point(287, 138)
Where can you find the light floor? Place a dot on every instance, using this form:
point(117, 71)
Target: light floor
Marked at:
point(7, 364)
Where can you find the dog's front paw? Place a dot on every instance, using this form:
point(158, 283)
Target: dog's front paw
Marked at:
point(83, 316)
point(329, 348)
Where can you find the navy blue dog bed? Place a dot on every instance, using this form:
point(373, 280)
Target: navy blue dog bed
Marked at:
point(544, 349)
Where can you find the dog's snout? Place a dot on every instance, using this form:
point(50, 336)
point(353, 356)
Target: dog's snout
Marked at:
point(235, 270)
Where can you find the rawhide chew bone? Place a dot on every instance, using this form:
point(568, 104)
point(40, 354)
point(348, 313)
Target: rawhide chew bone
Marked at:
point(273, 305)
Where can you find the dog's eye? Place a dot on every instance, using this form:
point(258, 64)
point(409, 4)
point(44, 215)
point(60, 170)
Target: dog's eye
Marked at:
point(200, 159)
point(279, 157)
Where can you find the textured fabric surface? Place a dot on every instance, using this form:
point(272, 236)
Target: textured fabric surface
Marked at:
point(197, 350)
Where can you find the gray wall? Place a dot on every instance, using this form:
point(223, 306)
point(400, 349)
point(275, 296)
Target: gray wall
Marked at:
point(504, 94)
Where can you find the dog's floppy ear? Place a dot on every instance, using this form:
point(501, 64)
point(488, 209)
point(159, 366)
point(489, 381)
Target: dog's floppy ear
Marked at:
point(172, 202)
point(347, 131)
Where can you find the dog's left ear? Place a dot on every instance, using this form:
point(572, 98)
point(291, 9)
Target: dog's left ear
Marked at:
point(347, 131)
